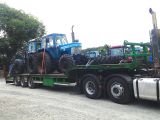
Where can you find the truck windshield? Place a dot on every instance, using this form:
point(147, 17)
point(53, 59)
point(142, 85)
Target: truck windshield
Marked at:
point(116, 52)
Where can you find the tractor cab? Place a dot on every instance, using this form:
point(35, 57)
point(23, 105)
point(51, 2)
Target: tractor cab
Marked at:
point(138, 53)
point(116, 51)
point(33, 46)
point(56, 44)
point(53, 40)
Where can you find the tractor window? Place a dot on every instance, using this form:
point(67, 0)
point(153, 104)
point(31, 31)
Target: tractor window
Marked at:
point(116, 52)
point(49, 42)
point(138, 49)
point(61, 40)
point(38, 45)
point(32, 47)
point(43, 44)
point(127, 50)
point(58, 42)
point(64, 40)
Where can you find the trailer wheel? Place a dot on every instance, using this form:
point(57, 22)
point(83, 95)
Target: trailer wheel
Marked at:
point(92, 87)
point(31, 83)
point(16, 81)
point(119, 90)
point(24, 81)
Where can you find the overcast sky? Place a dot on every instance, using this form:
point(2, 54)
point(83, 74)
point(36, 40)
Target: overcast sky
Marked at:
point(97, 22)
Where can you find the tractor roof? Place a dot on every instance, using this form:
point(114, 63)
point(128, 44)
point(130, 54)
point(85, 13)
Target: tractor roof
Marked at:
point(118, 46)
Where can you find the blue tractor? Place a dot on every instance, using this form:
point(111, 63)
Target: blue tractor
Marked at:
point(48, 54)
point(52, 52)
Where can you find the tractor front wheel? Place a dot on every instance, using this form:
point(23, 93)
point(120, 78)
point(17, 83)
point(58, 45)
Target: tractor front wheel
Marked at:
point(66, 62)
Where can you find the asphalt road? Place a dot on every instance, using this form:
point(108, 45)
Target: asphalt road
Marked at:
point(64, 103)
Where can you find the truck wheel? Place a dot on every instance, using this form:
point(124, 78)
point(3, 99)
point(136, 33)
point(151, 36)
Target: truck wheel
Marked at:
point(65, 63)
point(31, 83)
point(119, 90)
point(24, 81)
point(92, 87)
point(16, 81)
point(48, 66)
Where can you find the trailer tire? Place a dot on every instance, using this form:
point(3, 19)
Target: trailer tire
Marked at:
point(119, 90)
point(16, 81)
point(23, 82)
point(92, 87)
point(31, 83)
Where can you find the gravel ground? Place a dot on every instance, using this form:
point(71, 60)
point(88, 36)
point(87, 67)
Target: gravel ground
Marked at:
point(63, 103)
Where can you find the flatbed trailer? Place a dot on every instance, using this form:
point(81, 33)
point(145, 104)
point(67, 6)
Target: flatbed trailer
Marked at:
point(119, 81)
point(31, 80)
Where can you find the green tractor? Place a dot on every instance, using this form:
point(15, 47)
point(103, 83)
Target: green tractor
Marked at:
point(139, 54)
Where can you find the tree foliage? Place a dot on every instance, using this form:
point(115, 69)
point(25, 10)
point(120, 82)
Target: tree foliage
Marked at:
point(16, 28)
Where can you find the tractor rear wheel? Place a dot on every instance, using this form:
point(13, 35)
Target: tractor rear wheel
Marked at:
point(18, 66)
point(66, 62)
point(47, 66)
point(31, 64)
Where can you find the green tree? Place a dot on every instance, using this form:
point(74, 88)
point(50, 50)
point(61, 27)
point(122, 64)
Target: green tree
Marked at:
point(16, 28)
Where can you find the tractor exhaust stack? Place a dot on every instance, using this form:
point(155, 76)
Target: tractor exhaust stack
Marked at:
point(72, 34)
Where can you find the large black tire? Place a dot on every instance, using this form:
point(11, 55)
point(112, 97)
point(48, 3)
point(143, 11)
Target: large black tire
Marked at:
point(107, 60)
point(32, 64)
point(119, 90)
point(24, 82)
point(80, 59)
point(48, 64)
point(66, 62)
point(115, 59)
point(92, 87)
point(16, 81)
point(18, 66)
point(31, 83)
